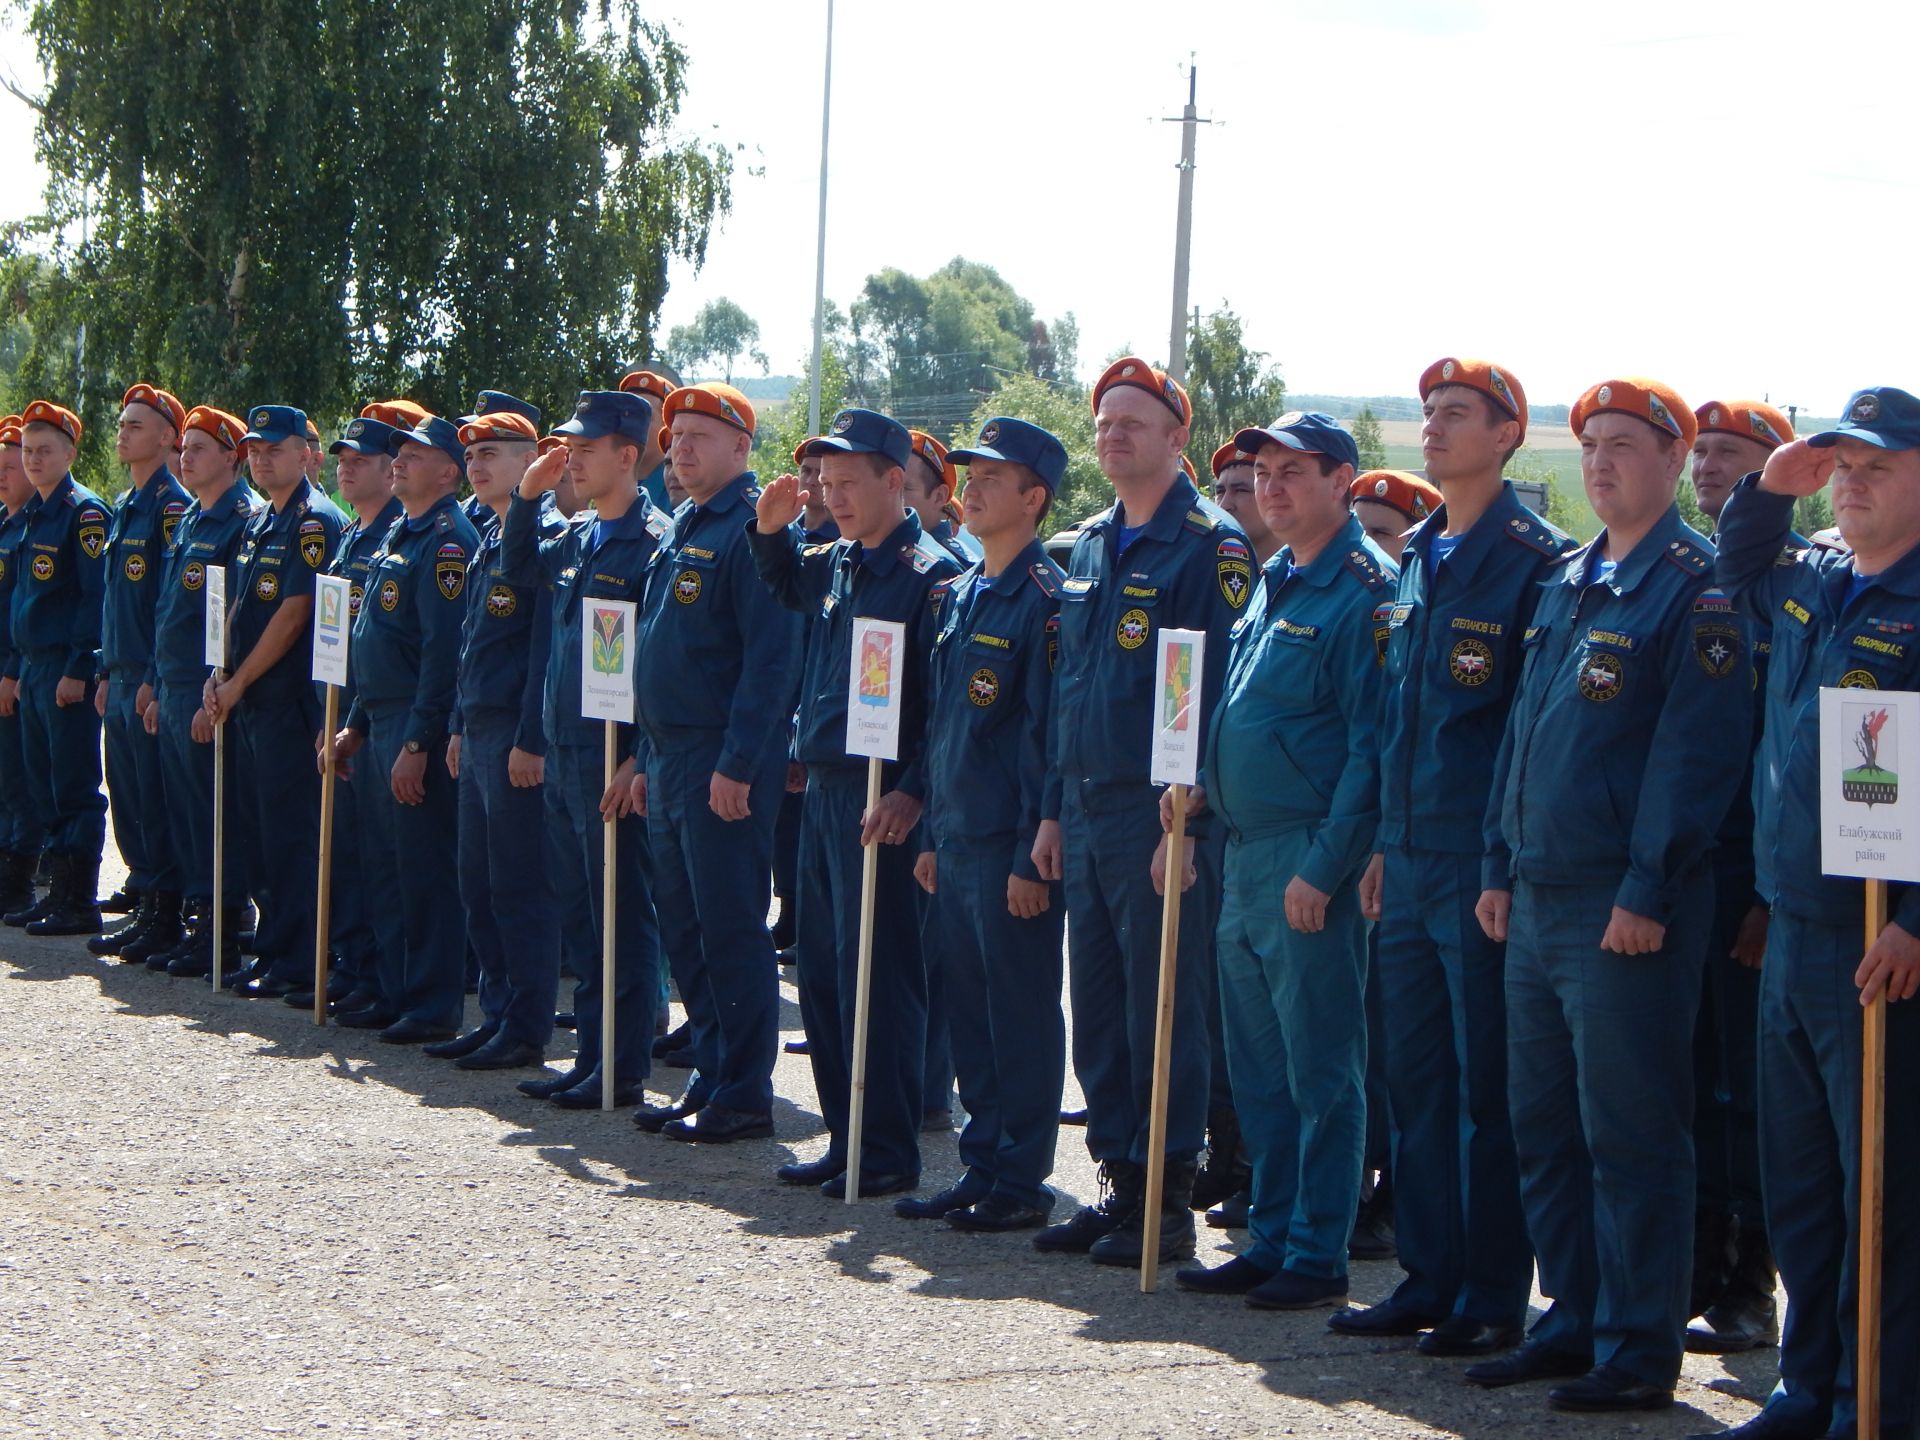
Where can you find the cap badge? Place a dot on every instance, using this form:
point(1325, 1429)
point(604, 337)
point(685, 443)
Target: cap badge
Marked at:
point(1660, 415)
point(1126, 371)
point(1446, 371)
point(1867, 407)
point(990, 432)
point(356, 429)
point(1500, 388)
point(1292, 417)
point(582, 407)
point(1713, 416)
point(260, 417)
point(1762, 430)
point(1605, 396)
point(1380, 487)
point(843, 422)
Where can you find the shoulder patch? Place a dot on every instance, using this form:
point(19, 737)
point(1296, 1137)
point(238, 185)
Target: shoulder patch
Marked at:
point(659, 525)
point(811, 550)
point(1201, 523)
point(1367, 568)
point(1539, 536)
point(1694, 559)
point(1046, 578)
point(1712, 601)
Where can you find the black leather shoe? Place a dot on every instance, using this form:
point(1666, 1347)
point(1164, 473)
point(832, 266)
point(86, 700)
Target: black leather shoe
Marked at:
point(267, 987)
point(796, 1047)
point(360, 998)
point(957, 1196)
point(673, 1040)
point(586, 1096)
point(681, 1059)
point(371, 1018)
point(1231, 1213)
point(654, 1118)
point(1606, 1389)
point(298, 999)
point(1463, 1335)
point(1236, 1277)
point(1073, 1117)
point(121, 902)
point(460, 1044)
point(1531, 1361)
point(412, 1032)
point(871, 1186)
point(1384, 1319)
point(997, 1213)
point(566, 1020)
point(717, 1125)
point(937, 1122)
point(1771, 1425)
point(809, 1172)
point(551, 1085)
point(1288, 1290)
point(502, 1055)
point(191, 966)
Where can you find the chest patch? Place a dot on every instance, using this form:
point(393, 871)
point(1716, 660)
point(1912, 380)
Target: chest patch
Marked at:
point(983, 688)
point(1601, 676)
point(502, 602)
point(389, 595)
point(686, 586)
point(135, 568)
point(1132, 630)
point(43, 566)
point(267, 586)
point(1471, 663)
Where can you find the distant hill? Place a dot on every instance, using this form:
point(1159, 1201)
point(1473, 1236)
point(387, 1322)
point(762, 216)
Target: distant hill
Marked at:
point(1394, 407)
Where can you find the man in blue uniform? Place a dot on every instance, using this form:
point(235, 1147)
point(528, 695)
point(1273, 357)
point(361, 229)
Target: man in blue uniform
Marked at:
point(212, 447)
point(56, 630)
point(21, 833)
point(497, 754)
point(988, 742)
point(1470, 577)
point(1160, 558)
point(143, 523)
point(882, 567)
point(1733, 1275)
point(714, 674)
point(1847, 619)
point(601, 554)
point(1611, 781)
point(1292, 770)
point(404, 659)
point(268, 690)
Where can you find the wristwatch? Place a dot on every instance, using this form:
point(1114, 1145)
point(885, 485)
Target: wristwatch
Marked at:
point(414, 747)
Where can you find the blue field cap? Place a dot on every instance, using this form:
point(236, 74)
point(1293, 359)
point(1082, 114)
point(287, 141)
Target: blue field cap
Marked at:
point(610, 412)
point(865, 432)
point(273, 423)
point(497, 402)
point(1308, 431)
point(365, 437)
point(436, 434)
point(1017, 441)
point(1885, 416)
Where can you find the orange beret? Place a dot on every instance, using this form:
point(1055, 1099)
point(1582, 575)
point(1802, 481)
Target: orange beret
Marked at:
point(1649, 400)
point(1131, 370)
point(935, 454)
point(1229, 454)
point(155, 398)
point(499, 425)
point(401, 414)
point(45, 412)
point(1500, 386)
point(313, 432)
point(1406, 492)
point(229, 430)
point(1749, 419)
point(800, 450)
point(550, 442)
point(1187, 466)
point(655, 387)
point(721, 402)
point(10, 430)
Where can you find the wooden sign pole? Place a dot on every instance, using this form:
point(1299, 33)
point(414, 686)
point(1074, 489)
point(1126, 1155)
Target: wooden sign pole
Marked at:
point(1163, 1045)
point(1873, 1134)
point(863, 990)
point(323, 899)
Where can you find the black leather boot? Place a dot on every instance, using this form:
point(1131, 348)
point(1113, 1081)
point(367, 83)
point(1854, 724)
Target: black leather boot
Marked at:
point(16, 880)
point(77, 911)
point(1174, 1233)
point(56, 866)
point(1225, 1167)
point(1745, 1316)
point(1121, 1185)
point(162, 931)
point(113, 941)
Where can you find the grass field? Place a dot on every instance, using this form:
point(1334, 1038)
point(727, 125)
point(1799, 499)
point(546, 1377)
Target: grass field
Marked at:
point(1553, 450)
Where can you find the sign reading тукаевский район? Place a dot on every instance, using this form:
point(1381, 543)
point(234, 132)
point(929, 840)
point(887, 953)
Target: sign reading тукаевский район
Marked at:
point(1870, 783)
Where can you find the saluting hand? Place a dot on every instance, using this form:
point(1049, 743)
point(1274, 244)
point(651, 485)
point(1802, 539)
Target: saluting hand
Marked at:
point(544, 473)
point(780, 504)
point(1797, 468)
point(1891, 966)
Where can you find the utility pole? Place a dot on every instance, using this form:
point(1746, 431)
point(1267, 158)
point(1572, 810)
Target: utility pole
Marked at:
point(820, 248)
point(1183, 232)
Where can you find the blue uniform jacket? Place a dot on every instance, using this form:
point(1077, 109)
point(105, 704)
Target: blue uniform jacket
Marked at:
point(204, 537)
point(835, 582)
point(57, 594)
point(1633, 695)
point(508, 635)
point(1294, 739)
point(13, 532)
point(143, 529)
point(1189, 568)
point(406, 639)
point(717, 651)
point(284, 549)
point(577, 570)
point(1820, 638)
point(990, 718)
point(1453, 663)
point(359, 543)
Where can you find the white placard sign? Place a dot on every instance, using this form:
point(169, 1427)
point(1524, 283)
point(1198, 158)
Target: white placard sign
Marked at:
point(606, 660)
point(215, 620)
point(874, 678)
point(1870, 783)
point(1176, 707)
point(332, 618)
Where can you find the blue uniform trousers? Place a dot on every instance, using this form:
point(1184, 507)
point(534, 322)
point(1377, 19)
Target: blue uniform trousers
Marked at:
point(1378, 1154)
point(1457, 1215)
point(1809, 1051)
point(936, 1061)
point(278, 731)
point(136, 792)
point(1113, 928)
point(1003, 1009)
point(356, 953)
point(411, 879)
point(187, 778)
point(786, 844)
point(579, 950)
point(21, 828)
point(829, 917)
point(578, 772)
point(62, 747)
point(1296, 1025)
point(504, 887)
point(1600, 1080)
point(1726, 1129)
point(1210, 859)
point(710, 881)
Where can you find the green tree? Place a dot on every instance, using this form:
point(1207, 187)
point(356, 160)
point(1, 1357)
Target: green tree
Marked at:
point(1230, 385)
point(1813, 513)
point(1065, 411)
point(318, 203)
point(778, 430)
point(1366, 437)
point(720, 335)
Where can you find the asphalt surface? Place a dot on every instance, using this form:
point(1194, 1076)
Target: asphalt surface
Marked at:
point(218, 1220)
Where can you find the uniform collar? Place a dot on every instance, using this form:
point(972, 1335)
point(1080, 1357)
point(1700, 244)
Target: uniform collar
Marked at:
point(297, 503)
point(1667, 531)
point(1474, 546)
point(883, 557)
point(727, 496)
point(632, 524)
point(229, 501)
point(383, 521)
point(154, 491)
point(65, 488)
point(1009, 580)
point(1901, 578)
point(1167, 518)
point(449, 501)
point(1324, 567)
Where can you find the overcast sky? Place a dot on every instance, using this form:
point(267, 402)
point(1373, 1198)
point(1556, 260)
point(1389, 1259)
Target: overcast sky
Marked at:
point(1720, 194)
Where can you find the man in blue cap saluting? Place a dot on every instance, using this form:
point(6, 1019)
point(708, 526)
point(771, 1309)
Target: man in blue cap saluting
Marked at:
point(1847, 619)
